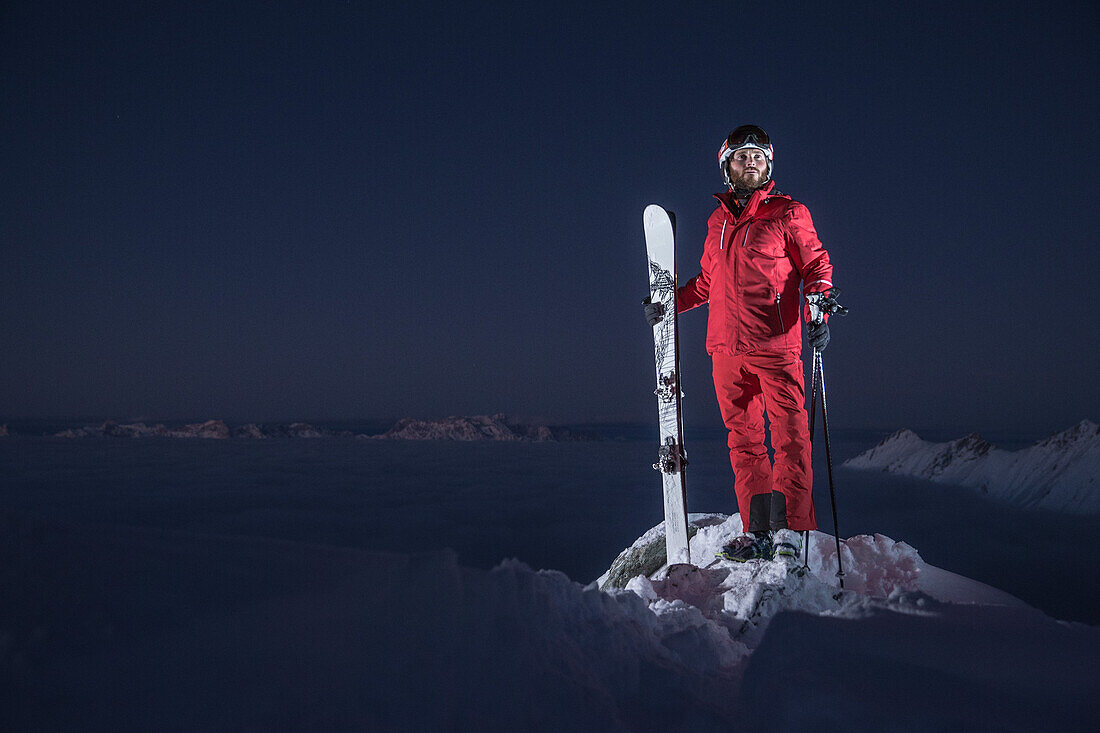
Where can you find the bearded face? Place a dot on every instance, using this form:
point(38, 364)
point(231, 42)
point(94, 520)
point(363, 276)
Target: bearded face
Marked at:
point(748, 168)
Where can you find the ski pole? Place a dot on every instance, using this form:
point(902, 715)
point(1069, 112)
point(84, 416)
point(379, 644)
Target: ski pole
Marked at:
point(829, 463)
point(820, 304)
point(813, 397)
point(813, 406)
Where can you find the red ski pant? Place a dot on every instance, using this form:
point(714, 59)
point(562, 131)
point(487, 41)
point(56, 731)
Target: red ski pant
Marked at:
point(768, 497)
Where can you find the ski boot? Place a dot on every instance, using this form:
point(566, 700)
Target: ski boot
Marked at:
point(751, 546)
point(787, 546)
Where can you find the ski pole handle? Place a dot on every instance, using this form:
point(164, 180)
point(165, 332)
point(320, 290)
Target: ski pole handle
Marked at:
point(816, 314)
point(822, 303)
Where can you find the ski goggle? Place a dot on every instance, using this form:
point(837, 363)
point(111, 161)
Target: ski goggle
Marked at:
point(747, 134)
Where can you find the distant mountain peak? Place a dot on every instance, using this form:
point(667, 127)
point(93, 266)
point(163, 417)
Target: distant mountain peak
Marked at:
point(210, 429)
point(496, 427)
point(1059, 472)
point(1085, 431)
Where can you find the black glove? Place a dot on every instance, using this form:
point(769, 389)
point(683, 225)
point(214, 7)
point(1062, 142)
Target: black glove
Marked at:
point(654, 312)
point(819, 335)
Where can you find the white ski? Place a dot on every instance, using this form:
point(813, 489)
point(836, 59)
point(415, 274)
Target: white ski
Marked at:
point(660, 239)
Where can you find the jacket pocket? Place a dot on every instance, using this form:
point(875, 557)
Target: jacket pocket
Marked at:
point(766, 250)
point(767, 240)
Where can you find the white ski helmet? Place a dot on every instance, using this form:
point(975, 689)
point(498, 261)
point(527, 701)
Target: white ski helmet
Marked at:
point(745, 136)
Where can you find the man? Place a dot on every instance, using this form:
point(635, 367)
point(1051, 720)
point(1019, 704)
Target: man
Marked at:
point(761, 245)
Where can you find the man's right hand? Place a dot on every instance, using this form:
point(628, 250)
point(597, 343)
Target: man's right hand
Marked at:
point(654, 312)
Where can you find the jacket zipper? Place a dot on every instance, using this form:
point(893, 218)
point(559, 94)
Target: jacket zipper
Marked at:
point(722, 238)
point(779, 310)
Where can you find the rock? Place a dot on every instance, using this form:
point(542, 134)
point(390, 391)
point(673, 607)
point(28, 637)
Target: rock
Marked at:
point(644, 559)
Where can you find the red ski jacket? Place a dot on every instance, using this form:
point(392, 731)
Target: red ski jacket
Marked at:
point(751, 269)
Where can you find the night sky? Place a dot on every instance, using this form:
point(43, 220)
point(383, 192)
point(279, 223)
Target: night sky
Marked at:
point(276, 210)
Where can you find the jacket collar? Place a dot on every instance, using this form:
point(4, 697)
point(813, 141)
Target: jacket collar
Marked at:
point(729, 201)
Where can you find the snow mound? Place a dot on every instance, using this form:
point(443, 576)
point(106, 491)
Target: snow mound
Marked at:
point(874, 565)
point(255, 634)
point(901, 632)
point(742, 598)
point(1059, 473)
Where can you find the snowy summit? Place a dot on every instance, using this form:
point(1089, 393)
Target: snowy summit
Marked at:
point(872, 656)
point(744, 597)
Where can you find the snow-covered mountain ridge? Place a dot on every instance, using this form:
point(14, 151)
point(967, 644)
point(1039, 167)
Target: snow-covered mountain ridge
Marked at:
point(475, 428)
point(1057, 473)
point(478, 427)
point(211, 429)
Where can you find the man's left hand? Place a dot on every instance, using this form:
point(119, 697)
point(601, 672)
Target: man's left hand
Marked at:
point(819, 335)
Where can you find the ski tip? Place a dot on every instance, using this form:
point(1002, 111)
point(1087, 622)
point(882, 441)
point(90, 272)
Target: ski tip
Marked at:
point(656, 215)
